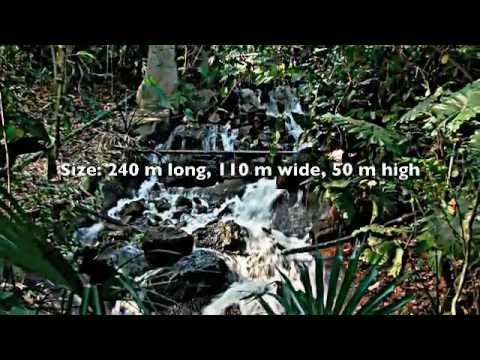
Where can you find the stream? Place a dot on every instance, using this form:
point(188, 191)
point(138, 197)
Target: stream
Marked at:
point(254, 209)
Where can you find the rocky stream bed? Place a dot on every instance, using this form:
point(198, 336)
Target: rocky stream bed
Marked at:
point(208, 247)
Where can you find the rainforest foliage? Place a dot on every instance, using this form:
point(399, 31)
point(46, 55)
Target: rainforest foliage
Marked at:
point(371, 104)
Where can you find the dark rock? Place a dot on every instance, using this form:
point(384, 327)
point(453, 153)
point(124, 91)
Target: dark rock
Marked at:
point(245, 143)
point(98, 270)
point(246, 130)
point(198, 206)
point(180, 211)
point(324, 228)
point(162, 205)
point(202, 273)
point(223, 236)
point(163, 246)
point(291, 220)
point(183, 201)
point(112, 191)
point(133, 210)
point(128, 259)
point(185, 137)
point(289, 183)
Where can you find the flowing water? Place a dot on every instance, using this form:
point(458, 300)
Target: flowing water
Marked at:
point(224, 135)
point(254, 210)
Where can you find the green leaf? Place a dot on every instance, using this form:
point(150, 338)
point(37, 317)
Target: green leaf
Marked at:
point(189, 114)
point(347, 281)
point(24, 245)
point(397, 263)
point(332, 284)
point(360, 291)
point(86, 55)
point(13, 132)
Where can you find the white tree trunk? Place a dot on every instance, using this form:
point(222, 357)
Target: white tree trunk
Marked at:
point(162, 68)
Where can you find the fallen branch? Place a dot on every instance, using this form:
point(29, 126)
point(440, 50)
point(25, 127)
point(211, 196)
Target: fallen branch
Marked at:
point(343, 239)
point(203, 152)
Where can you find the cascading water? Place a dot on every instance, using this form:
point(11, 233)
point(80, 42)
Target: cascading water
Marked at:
point(258, 270)
point(291, 106)
point(228, 138)
point(210, 140)
point(226, 135)
point(257, 267)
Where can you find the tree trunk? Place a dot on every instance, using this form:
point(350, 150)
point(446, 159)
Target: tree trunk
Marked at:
point(162, 69)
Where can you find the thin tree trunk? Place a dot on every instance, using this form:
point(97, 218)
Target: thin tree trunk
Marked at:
point(7, 157)
point(161, 70)
point(467, 249)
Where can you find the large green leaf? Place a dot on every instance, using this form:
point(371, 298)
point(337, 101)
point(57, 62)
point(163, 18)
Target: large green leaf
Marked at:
point(24, 245)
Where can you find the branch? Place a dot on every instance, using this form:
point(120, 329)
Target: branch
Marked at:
point(467, 249)
point(7, 157)
point(203, 152)
point(343, 239)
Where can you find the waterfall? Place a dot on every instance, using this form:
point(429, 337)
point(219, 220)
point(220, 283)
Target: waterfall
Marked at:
point(291, 106)
point(293, 128)
point(210, 140)
point(87, 236)
point(226, 135)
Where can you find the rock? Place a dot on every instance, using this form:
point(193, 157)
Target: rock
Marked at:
point(249, 100)
point(245, 143)
point(291, 220)
point(163, 245)
point(99, 270)
point(202, 273)
point(199, 207)
point(183, 201)
point(180, 211)
point(88, 236)
point(185, 137)
point(128, 259)
point(323, 229)
point(153, 126)
point(162, 205)
point(214, 118)
point(246, 130)
point(112, 191)
point(289, 183)
point(133, 210)
point(223, 236)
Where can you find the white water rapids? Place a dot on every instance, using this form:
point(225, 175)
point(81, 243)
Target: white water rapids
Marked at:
point(254, 210)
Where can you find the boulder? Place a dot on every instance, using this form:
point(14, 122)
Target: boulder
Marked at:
point(223, 236)
point(246, 130)
point(202, 273)
point(128, 259)
point(162, 205)
point(153, 126)
point(180, 211)
point(183, 201)
point(112, 191)
point(133, 210)
point(164, 245)
point(200, 208)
